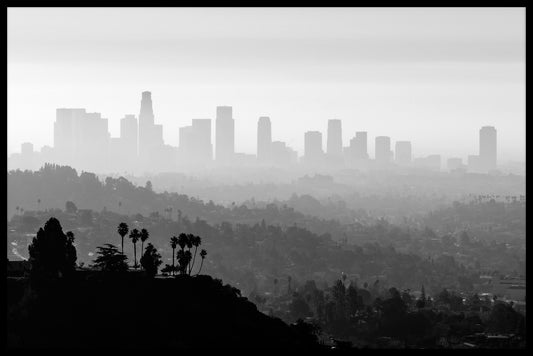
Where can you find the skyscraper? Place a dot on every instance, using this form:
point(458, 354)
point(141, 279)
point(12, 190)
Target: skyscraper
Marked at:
point(128, 135)
point(150, 135)
point(403, 153)
point(67, 129)
point(383, 152)
point(195, 143)
point(334, 144)
point(313, 152)
point(360, 145)
point(202, 134)
point(81, 138)
point(487, 148)
point(264, 139)
point(225, 135)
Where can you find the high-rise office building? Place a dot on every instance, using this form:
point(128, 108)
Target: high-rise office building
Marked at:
point(264, 139)
point(225, 135)
point(150, 135)
point(360, 145)
point(356, 153)
point(487, 148)
point(81, 138)
point(202, 135)
point(129, 135)
point(27, 156)
point(403, 154)
point(383, 152)
point(334, 144)
point(282, 155)
point(313, 152)
point(67, 129)
point(195, 146)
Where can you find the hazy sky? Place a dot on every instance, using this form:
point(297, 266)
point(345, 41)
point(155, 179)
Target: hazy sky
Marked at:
point(430, 75)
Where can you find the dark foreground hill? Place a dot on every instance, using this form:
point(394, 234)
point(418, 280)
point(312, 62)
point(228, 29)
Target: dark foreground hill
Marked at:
point(130, 310)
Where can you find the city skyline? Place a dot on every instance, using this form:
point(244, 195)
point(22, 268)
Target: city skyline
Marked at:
point(81, 137)
point(372, 68)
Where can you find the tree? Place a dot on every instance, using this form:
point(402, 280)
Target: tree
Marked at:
point(352, 299)
point(421, 303)
point(110, 259)
point(151, 260)
point(299, 308)
point(134, 236)
point(196, 241)
point(70, 207)
point(144, 236)
point(203, 253)
point(339, 297)
point(173, 244)
point(122, 231)
point(52, 253)
point(148, 186)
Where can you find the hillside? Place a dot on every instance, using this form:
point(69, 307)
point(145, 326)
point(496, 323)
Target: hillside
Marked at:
point(96, 310)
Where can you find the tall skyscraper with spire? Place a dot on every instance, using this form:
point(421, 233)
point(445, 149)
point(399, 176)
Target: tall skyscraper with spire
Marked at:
point(264, 139)
point(224, 135)
point(150, 135)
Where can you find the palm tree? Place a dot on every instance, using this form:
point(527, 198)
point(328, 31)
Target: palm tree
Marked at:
point(144, 236)
point(190, 239)
point(134, 236)
point(203, 253)
point(182, 240)
point(173, 244)
point(123, 231)
point(196, 241)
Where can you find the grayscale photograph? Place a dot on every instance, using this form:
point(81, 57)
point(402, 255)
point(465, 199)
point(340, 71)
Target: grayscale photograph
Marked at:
point(314, 178)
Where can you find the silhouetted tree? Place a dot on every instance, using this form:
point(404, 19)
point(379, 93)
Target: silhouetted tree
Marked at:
point(52, 253)
point(144, 236)
point(421, 303)
point(151, 260)
point(110, 259)
point(299, 307)
point(135, 235)
point(352, 299)
point(196, 241)
point(203, 253)
point(122, 231)
point(173, 244)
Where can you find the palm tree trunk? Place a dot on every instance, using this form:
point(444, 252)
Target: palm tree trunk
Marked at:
point(189, 266)
point(135, 255)
point(142, 249)
point(173, 262)
point(122, 244)
point(194, 258)
point(201, 264)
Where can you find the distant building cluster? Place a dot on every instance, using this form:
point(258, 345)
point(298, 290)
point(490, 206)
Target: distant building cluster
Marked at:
point(82, 140)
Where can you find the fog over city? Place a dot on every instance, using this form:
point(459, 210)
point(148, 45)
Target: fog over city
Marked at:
point(315, 178)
